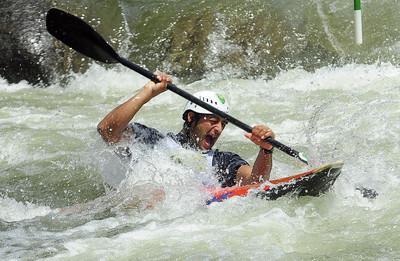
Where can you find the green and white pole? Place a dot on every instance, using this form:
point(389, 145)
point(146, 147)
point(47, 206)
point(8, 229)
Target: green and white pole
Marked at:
point(358, 21)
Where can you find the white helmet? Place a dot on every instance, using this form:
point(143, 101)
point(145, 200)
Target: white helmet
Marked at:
point(216, 100)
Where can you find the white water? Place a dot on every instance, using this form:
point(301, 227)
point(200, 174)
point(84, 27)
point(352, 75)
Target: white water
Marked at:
point(48, 137)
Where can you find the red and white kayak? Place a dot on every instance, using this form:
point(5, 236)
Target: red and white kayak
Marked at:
point(310, 183)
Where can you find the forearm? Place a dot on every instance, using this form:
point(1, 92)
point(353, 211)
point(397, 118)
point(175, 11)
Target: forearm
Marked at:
point(115, 122)
point(258, 173)
point(262, 167)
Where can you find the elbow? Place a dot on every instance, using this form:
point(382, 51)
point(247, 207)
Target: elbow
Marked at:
point(104, 132)
point(108, 134)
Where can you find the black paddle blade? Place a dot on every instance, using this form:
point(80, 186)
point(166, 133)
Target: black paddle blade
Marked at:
point(80, 36)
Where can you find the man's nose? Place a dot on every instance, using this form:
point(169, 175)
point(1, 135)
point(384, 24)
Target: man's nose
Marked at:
point(218, 127)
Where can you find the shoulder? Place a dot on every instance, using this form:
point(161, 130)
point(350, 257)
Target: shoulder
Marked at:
point(145, 134)
point(227, 156)
point(227, 164)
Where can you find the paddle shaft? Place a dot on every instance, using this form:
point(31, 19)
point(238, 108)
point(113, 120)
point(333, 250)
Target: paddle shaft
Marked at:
point(227, 117)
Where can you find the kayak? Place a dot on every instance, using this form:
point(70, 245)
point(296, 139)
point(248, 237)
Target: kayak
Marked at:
point(313, 182)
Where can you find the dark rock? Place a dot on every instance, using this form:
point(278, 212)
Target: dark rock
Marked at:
point(30, 53)
point(24, 42)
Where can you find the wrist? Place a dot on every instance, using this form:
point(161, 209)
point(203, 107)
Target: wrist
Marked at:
point(266, 151)
point(145, 94)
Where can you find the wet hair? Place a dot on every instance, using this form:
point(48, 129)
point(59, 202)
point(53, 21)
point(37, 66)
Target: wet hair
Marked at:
point(184, 134)
point(187, 125)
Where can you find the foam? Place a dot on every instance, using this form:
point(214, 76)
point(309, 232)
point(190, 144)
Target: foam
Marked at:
point(12, 210)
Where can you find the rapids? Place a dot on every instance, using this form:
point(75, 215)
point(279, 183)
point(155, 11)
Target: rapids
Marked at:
point(53, 203)
point(319, 93)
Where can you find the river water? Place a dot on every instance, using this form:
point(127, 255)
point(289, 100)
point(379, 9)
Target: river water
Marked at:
point(52, 158)
point(53, 167)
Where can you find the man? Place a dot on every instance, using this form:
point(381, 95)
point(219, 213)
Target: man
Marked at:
point(200, 131)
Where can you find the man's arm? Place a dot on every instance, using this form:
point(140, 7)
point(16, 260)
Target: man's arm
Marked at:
point(261, 169)
point(116, 122)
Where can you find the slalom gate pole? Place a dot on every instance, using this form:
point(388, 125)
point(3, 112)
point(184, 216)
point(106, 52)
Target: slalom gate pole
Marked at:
point(358, 22)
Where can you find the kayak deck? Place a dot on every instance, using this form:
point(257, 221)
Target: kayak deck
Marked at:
point(310, 183)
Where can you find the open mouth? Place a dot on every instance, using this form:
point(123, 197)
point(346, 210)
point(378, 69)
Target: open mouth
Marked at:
point(208, 141)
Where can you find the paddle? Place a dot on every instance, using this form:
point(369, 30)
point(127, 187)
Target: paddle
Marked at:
point(81, 37)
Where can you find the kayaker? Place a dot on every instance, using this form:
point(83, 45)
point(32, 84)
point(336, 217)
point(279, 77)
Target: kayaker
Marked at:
point(201, 130)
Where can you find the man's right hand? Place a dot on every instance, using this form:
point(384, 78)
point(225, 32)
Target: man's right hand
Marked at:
point(153, 89)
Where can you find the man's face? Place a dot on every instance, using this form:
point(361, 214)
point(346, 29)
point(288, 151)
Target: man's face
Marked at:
point(207, 130)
